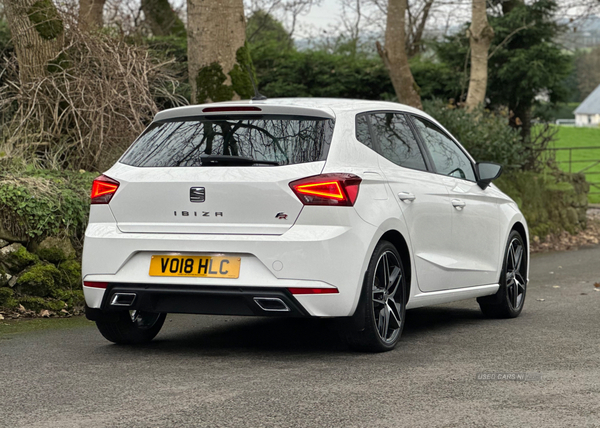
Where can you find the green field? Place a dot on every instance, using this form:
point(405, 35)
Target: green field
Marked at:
point(569, 136)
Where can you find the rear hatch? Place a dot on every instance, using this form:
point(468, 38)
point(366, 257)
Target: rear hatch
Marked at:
point(223, 172)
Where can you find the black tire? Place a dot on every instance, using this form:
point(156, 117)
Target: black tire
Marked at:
point(383, 309)
point(509, 300)
point(131, 327)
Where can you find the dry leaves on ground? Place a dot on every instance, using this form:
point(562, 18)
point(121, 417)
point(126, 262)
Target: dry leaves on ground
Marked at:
point(565, 241)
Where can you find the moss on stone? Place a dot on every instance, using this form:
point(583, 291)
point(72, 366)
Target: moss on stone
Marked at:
point(41, 280)
point(56, 250)
point(70, 274)
point(6, 294)
point(38, 304)
point(550, 202)
point(240, 77)
point(16, 261)
point(72, 298)
point(210, 84)
point(44, 16)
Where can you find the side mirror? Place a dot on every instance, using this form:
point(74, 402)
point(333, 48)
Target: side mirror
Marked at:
point(486, 172)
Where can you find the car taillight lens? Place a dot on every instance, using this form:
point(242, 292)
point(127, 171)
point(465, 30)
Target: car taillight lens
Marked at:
point(103, 189)
point(339, 189)
point(313, 290)
point(95, 284)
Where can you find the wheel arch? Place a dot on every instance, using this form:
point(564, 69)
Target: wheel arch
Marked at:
point(397, 240)
point(519, 227)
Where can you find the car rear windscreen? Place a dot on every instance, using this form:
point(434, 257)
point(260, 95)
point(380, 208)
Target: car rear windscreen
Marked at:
point(253, 140)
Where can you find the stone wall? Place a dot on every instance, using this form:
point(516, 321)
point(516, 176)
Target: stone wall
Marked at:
point(551, 202)
point(47, 282)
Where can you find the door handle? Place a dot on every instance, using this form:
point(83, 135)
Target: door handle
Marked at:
point(458, 204)
point(406, 196)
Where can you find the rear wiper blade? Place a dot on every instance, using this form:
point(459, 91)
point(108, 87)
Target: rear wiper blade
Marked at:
point(224, 160)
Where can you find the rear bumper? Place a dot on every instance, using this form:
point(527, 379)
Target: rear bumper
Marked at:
point(306, 256)
point(199, 300)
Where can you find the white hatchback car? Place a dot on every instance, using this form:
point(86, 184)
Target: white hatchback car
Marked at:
point(351, 209)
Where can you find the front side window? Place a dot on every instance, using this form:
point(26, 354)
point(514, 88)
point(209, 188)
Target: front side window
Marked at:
point(447, 157)
point(267, 139)
point(397, 141)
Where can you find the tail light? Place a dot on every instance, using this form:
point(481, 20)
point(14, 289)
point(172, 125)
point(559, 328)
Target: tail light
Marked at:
point(313, 290)
point(327, 189)
point(103, 189)
point(95, 284)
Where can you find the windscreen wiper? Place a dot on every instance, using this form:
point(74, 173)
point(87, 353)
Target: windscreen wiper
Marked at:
point(224, 160)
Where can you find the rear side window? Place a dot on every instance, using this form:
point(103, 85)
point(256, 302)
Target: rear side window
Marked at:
point(363, 133)
point(281, 140)
point(397, 142)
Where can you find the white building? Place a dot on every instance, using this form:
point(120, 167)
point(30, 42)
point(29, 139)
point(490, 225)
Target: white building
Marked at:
point(588, 112)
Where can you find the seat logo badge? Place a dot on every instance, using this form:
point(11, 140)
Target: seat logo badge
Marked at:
point(197, 194)
point(281, 216)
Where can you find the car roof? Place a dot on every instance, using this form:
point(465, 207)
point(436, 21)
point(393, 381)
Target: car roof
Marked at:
point(322, 107)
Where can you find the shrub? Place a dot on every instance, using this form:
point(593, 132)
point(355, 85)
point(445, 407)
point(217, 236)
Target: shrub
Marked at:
point(484, 134)
point(39, 203)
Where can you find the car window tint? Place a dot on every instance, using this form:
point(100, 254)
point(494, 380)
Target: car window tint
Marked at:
point(184, 142)
point(397, 141)
point(447, 157)
point(362, 131)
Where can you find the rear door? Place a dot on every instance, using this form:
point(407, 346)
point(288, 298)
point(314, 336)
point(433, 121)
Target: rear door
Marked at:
point(422, 197)
point(218, 174)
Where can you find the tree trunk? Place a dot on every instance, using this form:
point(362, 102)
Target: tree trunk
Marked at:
point(217, 55)
point(161, 18)
point(480, 39)
point(37, 31)
point(520, 118)
point(90, 14)
point(414, 43)
point(394, 55)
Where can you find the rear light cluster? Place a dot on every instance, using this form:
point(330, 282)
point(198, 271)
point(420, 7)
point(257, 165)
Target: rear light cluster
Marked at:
point(103, 189)
point(327, 189)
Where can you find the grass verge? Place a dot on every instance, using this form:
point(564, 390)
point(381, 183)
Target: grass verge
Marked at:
point(14, 327)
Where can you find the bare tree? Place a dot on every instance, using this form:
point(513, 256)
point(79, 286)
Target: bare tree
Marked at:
point(418, 15)
point(37, 30)
point(286, 11)
point(90, 14)
point(480, 38)
point(351, 16)
point(394, 55)
point(216, 39)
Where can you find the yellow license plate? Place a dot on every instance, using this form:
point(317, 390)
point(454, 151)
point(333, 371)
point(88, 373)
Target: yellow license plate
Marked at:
point(195, 266)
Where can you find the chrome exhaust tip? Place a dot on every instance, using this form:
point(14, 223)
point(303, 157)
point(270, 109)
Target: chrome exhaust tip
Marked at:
point(123, 299)
point(271, 304)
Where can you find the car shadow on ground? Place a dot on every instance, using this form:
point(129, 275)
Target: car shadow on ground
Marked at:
point(289, 335)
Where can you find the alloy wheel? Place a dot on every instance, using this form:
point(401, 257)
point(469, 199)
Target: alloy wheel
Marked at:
point(515, 282)
point(387, 292)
